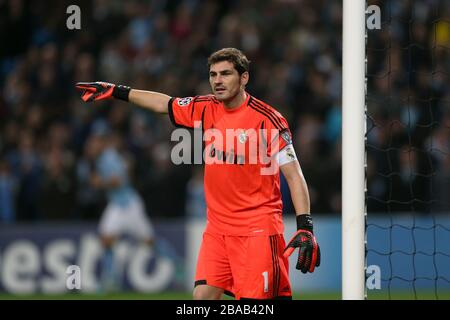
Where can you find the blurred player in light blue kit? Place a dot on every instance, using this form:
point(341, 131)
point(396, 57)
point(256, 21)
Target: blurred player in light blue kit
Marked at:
point(125, 211)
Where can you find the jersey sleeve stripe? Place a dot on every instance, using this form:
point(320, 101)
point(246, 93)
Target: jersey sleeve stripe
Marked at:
point(171, 116)
point(271, 111)
point(193, 106)
point(214, 100)
point(201, 100)
point(277, 118)
point(268, 115)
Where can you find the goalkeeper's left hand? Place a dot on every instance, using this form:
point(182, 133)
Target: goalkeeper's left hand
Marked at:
point(304, 239)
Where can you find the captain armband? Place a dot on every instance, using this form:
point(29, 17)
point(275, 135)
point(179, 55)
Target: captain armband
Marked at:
point(286, 155)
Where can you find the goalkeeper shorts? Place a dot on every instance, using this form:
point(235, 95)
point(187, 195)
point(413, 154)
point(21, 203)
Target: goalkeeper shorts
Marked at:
point(245, 267)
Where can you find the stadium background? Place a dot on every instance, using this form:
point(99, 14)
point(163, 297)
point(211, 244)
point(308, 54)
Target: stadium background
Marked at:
point(48, 213)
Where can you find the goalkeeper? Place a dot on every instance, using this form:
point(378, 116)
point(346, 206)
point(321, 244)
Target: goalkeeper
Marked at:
point(243, 252)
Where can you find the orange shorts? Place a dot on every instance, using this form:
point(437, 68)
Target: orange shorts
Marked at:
point(245, 267)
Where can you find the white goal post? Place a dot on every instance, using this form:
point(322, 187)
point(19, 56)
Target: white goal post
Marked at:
point(353, 149)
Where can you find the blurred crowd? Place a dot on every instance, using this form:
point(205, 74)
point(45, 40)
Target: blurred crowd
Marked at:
point(295, 52)
point(408, 102)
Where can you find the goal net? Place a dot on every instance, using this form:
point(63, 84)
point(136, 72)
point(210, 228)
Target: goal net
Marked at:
point(407, 148)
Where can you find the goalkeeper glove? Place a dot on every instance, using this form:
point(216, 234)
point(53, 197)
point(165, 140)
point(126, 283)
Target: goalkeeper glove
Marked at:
point(304, 239)
point(93, 91)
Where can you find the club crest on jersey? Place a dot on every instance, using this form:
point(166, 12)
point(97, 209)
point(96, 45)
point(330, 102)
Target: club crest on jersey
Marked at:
point(242, 137)
point(184, 101)
point(286, 136)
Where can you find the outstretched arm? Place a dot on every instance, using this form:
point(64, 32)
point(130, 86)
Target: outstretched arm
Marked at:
point(153, 101)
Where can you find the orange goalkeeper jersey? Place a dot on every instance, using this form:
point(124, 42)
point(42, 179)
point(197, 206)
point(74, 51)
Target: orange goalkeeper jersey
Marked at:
point(242, 182)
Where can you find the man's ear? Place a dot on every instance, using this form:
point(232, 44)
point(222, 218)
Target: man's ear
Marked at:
point(244, 78)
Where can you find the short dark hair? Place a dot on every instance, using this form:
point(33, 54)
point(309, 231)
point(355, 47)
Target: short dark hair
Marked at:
point(233, 55)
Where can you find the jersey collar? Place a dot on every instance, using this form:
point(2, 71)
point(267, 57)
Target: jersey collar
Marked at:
point(244, 104)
